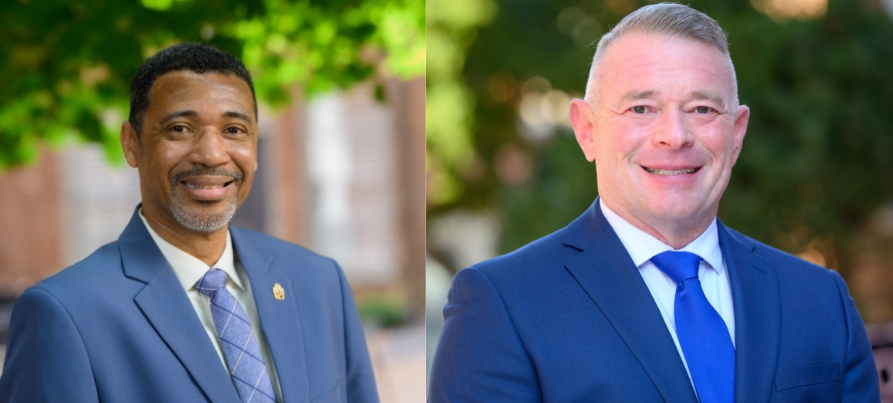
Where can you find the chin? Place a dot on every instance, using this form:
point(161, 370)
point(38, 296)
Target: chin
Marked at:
point(674, 210)
point(201, 220)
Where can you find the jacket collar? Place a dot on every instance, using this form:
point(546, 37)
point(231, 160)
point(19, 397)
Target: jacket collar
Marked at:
point(608, 275)
point(279, 319)
point(755, 297)
point(167, 308)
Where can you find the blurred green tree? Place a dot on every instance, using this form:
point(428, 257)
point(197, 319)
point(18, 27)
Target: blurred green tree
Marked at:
point(814, 163)
point(65, 66)
point(451, 27)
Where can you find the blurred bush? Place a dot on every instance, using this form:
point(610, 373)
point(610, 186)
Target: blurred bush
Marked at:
point(383, 311)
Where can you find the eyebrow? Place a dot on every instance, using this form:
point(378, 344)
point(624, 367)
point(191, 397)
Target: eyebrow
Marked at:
point(178, 114)
point(709, 96)
point(696, 95)
point(637, 95)
point(237, 115)
point(192, 114)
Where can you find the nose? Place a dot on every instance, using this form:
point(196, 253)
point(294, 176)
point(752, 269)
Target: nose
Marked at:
point(209, 149)
point(671, 131)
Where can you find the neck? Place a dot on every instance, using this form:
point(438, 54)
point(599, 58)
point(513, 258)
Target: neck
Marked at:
point(205, 246)
point(675, 233)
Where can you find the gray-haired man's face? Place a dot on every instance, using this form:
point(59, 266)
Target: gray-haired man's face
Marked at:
point(666, 130)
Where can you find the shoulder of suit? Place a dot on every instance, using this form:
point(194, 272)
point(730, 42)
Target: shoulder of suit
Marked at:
point(278, 248)
point(532, 258)
point(784, 262)
point(85, 277)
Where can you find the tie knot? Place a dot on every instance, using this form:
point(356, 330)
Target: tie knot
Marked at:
point(212, 281)
point(680, 266)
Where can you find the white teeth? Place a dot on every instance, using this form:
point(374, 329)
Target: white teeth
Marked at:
point(194, 186)
point(665, 172)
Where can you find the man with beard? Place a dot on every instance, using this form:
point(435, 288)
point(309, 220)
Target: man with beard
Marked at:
point(184, 308)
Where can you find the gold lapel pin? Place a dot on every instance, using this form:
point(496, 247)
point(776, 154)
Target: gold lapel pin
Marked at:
point(278, 291)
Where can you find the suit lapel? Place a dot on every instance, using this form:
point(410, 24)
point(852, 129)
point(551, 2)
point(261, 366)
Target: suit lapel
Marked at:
point(757, 317)
point(606, 272)
point(167, 308)
point(279, 319)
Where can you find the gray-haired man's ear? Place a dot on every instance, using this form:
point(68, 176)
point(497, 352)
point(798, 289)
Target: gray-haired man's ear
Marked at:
point(582, 121)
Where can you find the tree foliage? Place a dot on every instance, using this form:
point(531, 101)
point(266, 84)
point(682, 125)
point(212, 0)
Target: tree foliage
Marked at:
point(451, 27)
point(814, 163)
point(65, 66)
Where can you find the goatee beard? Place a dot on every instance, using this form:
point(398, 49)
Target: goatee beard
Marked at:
point(202, 222)
point(195, 220)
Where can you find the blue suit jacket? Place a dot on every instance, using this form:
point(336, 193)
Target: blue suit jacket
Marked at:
point(568, 318)
point(118, 327)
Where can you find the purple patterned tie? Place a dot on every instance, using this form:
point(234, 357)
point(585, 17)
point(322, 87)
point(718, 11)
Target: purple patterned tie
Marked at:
point(246, 366)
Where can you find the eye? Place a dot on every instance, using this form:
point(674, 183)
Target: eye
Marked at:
point(233, 130)
point(703, 110)
point(179, 128)
point(639, 109)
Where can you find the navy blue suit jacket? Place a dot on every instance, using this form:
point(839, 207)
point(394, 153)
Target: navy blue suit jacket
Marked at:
point(118, 327)
point(568, 318)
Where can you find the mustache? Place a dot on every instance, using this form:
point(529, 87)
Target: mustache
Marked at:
point(205, 171)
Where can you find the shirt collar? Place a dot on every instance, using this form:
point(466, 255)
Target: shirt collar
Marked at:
point(641, 246)
point(189, 269)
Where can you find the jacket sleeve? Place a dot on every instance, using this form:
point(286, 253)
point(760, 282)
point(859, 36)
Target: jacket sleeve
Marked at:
point(46, 360)
point(860, 382)
point(480, 357)
point(360, 376)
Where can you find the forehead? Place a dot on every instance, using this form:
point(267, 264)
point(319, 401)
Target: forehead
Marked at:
point(186, 89)
point(661, 64)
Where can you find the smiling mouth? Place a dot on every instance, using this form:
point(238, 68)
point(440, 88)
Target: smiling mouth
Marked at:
point(207, 185)
point(666, 172)
point(197, 186)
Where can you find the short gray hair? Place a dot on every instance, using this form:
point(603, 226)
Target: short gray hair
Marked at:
point(670, 19)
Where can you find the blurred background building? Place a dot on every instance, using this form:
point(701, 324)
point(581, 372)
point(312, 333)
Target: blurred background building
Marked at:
point(504, 168)
point(337, 174)
point(340, 150)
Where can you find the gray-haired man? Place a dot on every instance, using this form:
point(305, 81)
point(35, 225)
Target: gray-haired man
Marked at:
point(647, 297)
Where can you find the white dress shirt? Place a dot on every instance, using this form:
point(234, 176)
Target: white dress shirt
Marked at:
point(712, 272)
point(189, 270)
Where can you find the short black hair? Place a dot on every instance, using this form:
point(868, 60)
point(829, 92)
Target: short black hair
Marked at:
point(196, 57)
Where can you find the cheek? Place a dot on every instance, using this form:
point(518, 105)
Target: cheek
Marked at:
point(246, 157)
point(622, 141)
point(718, 140)
point(164, 158)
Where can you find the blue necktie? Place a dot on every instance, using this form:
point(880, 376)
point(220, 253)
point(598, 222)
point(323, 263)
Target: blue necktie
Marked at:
point(702, 333)
point(246, 365)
